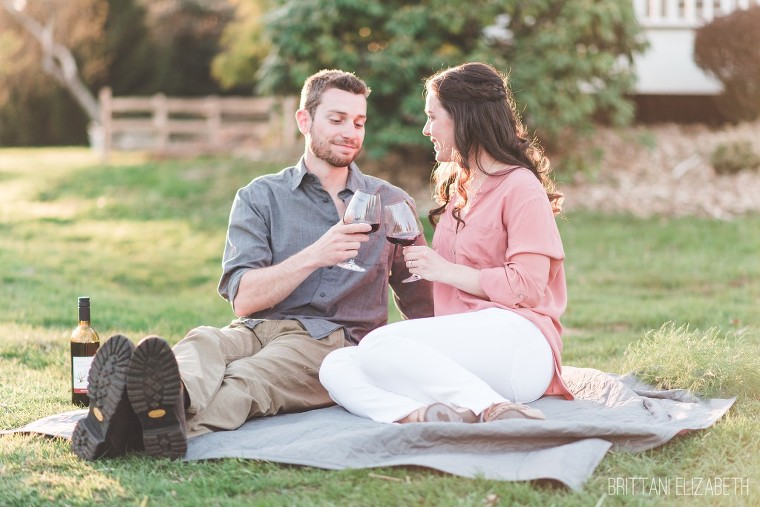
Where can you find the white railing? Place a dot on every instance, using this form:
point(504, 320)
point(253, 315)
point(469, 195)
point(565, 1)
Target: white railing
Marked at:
point(685, 13)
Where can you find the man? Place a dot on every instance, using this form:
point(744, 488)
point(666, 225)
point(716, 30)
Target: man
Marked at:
point(284, 239)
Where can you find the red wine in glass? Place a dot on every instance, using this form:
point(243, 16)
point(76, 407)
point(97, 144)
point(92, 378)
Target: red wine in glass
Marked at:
point(403, 238)
point(363, 208)
point(374, 227)
point(402, 227)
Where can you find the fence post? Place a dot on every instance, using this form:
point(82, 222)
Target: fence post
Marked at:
point(105, 121)
point(160, 120)
point(288, 120)
point(214, 122)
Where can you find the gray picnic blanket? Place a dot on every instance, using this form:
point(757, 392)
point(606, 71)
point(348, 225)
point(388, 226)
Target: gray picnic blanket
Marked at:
point(610, 411)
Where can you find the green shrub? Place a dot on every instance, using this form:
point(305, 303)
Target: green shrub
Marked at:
point(733, 157)
point(705, 363)
point(564, 58)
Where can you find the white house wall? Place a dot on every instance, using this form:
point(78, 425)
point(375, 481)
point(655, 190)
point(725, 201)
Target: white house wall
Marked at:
point(668, 68)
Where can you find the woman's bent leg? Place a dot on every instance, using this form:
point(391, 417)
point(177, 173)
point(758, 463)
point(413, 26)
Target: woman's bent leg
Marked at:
point(348, 386)
point(470, 360)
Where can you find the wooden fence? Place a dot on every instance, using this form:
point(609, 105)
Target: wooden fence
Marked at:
point(192, 126)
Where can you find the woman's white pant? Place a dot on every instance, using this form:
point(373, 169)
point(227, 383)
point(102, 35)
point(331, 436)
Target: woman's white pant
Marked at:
point(469, 360)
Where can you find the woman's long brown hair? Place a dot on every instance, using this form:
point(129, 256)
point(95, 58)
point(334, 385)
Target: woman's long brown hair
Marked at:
point(479, 100)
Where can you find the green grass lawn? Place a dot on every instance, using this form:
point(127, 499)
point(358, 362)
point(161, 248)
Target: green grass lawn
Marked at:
point(677, 299)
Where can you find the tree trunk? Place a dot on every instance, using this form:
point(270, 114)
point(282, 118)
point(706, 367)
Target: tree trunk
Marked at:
point(57, 60)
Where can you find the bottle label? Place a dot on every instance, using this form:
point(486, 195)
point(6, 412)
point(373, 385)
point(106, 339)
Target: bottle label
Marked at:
point(79, 371)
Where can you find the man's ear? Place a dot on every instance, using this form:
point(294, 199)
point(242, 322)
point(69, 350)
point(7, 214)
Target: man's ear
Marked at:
point(303, 118)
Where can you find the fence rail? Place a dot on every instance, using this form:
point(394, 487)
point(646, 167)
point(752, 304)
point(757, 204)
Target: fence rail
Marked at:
point(685, 13)
point(170, 125)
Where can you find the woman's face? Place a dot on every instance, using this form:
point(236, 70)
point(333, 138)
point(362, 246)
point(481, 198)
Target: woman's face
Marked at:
point(439, 127)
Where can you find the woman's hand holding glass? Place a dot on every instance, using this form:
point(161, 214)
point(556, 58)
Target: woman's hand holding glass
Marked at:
point(402, 227)
point(425, 263)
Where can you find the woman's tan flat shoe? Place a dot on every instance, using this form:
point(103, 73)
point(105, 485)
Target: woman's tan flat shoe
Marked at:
point(508, 410)
point(440, 412)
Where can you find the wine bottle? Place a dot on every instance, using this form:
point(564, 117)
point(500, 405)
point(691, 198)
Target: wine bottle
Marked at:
point(84, 343)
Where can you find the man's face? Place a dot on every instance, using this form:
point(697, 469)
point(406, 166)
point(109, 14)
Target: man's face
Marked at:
point(337, 128)
point(439, 127)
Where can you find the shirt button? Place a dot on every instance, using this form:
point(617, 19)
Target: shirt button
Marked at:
point(321, 294)
point(325, 200)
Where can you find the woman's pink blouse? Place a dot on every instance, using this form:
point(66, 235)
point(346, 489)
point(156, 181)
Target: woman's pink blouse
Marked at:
point(510, 215)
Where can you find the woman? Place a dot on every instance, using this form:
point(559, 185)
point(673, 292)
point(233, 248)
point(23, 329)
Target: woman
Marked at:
point(497, 266)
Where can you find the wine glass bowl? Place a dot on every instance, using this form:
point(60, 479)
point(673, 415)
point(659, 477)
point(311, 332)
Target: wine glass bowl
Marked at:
point(402, 227)
point(363, 208)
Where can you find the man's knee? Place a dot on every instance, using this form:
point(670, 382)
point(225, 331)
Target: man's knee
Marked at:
point(200, 334)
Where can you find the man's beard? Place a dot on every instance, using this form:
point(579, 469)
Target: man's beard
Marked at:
point(322, 149)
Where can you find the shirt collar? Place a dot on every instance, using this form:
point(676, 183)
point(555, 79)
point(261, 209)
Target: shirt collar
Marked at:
point(298, 174)
point(497, 179)
point(354, 181)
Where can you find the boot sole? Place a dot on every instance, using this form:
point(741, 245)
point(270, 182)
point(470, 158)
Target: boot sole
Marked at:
point(153, 387)
point(107, 382)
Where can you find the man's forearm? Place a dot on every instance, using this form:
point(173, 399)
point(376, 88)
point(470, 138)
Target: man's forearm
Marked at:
point(263, 288)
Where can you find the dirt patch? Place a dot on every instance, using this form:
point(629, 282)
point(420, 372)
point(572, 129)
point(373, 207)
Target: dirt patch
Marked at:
point(651, 170)
point(665, 170)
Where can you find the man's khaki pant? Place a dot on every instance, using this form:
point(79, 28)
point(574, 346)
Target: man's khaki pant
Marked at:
point(234, 374)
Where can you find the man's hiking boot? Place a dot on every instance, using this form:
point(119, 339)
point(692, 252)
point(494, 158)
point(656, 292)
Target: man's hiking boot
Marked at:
point(156, 394)
point(110, 428)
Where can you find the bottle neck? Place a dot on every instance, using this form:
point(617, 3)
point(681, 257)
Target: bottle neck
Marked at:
point(84, 315)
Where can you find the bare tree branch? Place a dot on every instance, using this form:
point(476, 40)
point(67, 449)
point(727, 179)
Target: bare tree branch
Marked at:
point(57, 60)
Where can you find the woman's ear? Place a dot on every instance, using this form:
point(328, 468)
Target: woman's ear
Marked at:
point(303, 118)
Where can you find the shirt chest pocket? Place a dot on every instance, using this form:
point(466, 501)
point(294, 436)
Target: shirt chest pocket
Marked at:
point(480, 246)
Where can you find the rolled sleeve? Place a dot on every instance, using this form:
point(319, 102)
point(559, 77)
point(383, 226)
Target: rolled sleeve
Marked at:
point(495, 283)
point(533, 237)
point(511, 285)
point(247, 244)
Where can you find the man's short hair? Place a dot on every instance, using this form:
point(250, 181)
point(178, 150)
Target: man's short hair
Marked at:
point(319, 83)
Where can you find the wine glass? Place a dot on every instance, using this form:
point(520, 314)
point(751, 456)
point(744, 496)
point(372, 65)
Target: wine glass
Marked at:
point(402, 227)
point(363, 208)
